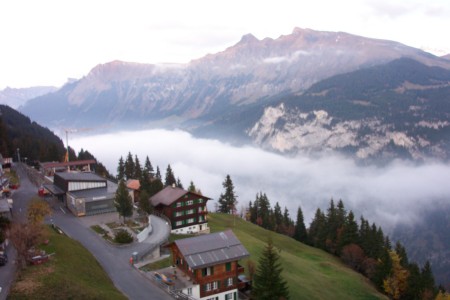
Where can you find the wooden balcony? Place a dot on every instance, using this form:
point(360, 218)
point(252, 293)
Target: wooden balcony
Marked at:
point(240, 269)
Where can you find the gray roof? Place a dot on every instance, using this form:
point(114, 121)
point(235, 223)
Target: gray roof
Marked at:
point(79, 176)
point(211, 249)
point(54, 190)
point(168, 195)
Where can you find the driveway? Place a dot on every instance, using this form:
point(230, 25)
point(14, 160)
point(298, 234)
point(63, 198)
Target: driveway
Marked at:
point(113, 259)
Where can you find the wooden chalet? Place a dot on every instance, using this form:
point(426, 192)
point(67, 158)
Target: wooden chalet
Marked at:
point(210, 262)
point(186, 210)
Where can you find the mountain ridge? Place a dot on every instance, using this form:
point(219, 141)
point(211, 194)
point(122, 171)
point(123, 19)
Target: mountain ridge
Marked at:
point(250, 74)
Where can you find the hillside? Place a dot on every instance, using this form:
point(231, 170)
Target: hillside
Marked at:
point(34, 141)
point(311, 273)
point(400, 109)
point(72, 273)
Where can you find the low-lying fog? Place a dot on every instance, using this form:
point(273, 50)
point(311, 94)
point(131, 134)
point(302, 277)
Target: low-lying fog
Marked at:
point(399, 192)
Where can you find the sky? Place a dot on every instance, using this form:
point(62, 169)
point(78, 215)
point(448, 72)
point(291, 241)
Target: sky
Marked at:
point(46, 42)
point(398, 193)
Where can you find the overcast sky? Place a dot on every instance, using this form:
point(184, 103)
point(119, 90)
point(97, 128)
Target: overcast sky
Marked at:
point(47, 41)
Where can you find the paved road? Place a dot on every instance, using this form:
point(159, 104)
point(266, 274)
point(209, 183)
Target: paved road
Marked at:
point(113, 259)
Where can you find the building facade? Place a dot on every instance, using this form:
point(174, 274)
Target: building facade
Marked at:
point(186, 210)
point(211, 262)
point(84, 193)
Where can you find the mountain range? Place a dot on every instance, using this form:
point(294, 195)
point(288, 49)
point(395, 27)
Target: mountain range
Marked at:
point(210, 96)
point(16, 97)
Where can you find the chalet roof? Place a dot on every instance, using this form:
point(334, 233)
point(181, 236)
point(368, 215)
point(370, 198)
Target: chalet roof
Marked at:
point(79, 176)
point(170, 194)
point(48, 165)
point(211, 249)
point(133, 184)
point(167, 196)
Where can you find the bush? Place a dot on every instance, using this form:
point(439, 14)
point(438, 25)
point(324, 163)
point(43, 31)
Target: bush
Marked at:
point(123, 237)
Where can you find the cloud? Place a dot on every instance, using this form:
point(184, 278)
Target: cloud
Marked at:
point(398, 193)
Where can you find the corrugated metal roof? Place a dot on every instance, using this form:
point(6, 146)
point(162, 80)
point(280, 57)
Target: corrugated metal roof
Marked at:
point(80, 176)
point(211, 249)
point(168, 195)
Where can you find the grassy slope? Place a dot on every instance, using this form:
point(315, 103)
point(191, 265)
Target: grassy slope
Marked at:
point(72, 273)
point(310, 273)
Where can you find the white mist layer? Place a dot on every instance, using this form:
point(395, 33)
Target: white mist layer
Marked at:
point(397, 193)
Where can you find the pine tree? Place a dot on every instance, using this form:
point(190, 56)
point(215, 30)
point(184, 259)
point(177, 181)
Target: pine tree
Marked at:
point(137, 168)
point(148, 168)
point(300, 229)
point(268, 283)
point(144, 202)
point(121, 169)
point(158, 173)
point(179, 184)
point(129, 167)
point(349, 233)
point(278, 217)
point(287, 221)
point(122, 201)
point(156, 185)
point(227, 201)
point(401, 252)
point(170, 177)
point(427, 282)
point(317, 230)
point(192, 187)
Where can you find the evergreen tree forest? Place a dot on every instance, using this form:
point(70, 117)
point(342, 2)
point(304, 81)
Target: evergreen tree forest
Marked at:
point(34, 142)
point(150, 181)
point(361, 245)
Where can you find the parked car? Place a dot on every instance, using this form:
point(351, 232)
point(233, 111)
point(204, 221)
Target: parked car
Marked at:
point(42, 192)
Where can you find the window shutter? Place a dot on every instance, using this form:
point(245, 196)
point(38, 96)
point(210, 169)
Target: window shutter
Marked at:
point(204, 272)
point(212, 270)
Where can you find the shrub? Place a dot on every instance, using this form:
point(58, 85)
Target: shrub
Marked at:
point(123, 237)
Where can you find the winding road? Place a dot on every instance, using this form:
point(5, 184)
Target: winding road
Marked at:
point(114, 259)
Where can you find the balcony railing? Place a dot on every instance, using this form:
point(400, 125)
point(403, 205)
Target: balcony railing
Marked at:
point(240, 269)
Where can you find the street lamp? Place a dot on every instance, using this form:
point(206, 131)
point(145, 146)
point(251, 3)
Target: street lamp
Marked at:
point(18, 155)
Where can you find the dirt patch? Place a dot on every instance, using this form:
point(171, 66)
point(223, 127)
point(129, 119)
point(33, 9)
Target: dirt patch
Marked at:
point(29, 282)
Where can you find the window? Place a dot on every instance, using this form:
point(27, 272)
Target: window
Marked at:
point(191, 220)
point(228, 266)
point(208, 286)
point(215, 285)
point(179, 223)
point(178, 213)
point(229, 296)
point(201, 218)
point(200, 200)
point(230, 281)
point(207, 271)
point(190, 212)
point(189, 202)
point(189, 291)
point(179, 204)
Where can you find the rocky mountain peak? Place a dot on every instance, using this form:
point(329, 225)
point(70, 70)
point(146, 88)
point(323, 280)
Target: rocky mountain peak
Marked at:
point(248, 39)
